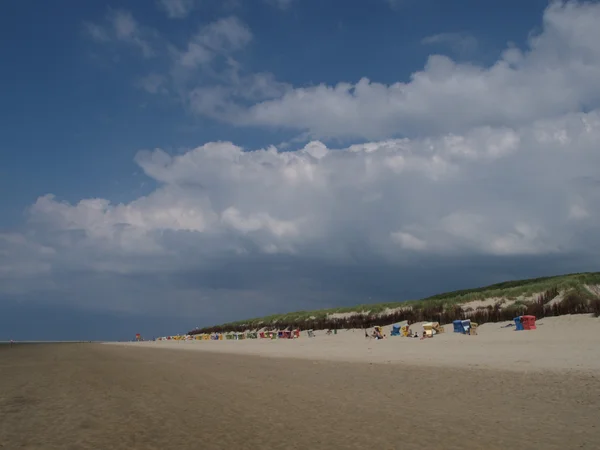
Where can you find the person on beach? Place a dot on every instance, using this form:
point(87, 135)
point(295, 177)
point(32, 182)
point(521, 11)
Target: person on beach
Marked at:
point(378, 334)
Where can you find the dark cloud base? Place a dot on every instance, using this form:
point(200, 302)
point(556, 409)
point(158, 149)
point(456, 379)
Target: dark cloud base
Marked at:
point(244, 290)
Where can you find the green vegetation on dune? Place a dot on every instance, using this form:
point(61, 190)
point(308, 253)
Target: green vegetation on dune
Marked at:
point(575, 284)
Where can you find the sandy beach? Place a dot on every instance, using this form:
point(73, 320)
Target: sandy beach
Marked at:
point(566, 343)
point(97, 396)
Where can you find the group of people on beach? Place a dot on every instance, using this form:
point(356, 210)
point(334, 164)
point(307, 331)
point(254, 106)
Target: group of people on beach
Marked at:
point(378, 334)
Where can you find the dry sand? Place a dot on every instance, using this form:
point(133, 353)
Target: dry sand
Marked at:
point(566, 343)
point(95, 396)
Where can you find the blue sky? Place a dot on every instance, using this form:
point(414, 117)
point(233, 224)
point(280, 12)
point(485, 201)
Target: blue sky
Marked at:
point(178, 159)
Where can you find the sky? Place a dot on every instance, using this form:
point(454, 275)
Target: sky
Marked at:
point(169, 164)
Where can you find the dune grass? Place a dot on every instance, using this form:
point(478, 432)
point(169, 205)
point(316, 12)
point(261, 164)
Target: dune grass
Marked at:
point(512, 290)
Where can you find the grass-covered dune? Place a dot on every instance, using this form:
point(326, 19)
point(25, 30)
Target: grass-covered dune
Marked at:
point(548, 296)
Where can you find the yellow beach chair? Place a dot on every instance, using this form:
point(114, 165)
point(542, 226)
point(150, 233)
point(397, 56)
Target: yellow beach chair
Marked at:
point(473, 329)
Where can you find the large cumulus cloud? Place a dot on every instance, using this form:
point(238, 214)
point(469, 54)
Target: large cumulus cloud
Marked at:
point(492, 192)
point(559, 72)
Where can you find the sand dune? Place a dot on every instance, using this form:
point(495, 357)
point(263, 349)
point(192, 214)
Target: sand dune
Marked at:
point(566, 343)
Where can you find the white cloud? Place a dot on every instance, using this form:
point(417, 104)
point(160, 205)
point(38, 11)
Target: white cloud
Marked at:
point(153, 83)
point(559, 73)
point(195, 55)
point(231, 217)
point(461, 43)
point(20, 256)
point(222, 101)
point(96, 32)
point(220, 37)
point(577, 212)
point(485, 192)
point(122, 27)
point(490, 192)
point(408, 241)
point(177, 9)
point(127, 29)
point(25, 265)
point(206, 77)
point(396, 4)
point(281, 4)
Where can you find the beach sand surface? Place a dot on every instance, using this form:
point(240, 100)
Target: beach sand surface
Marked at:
point(95, 396)
point(566, 343)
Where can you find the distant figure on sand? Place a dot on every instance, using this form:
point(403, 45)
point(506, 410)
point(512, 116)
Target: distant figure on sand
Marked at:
point(377, 334)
